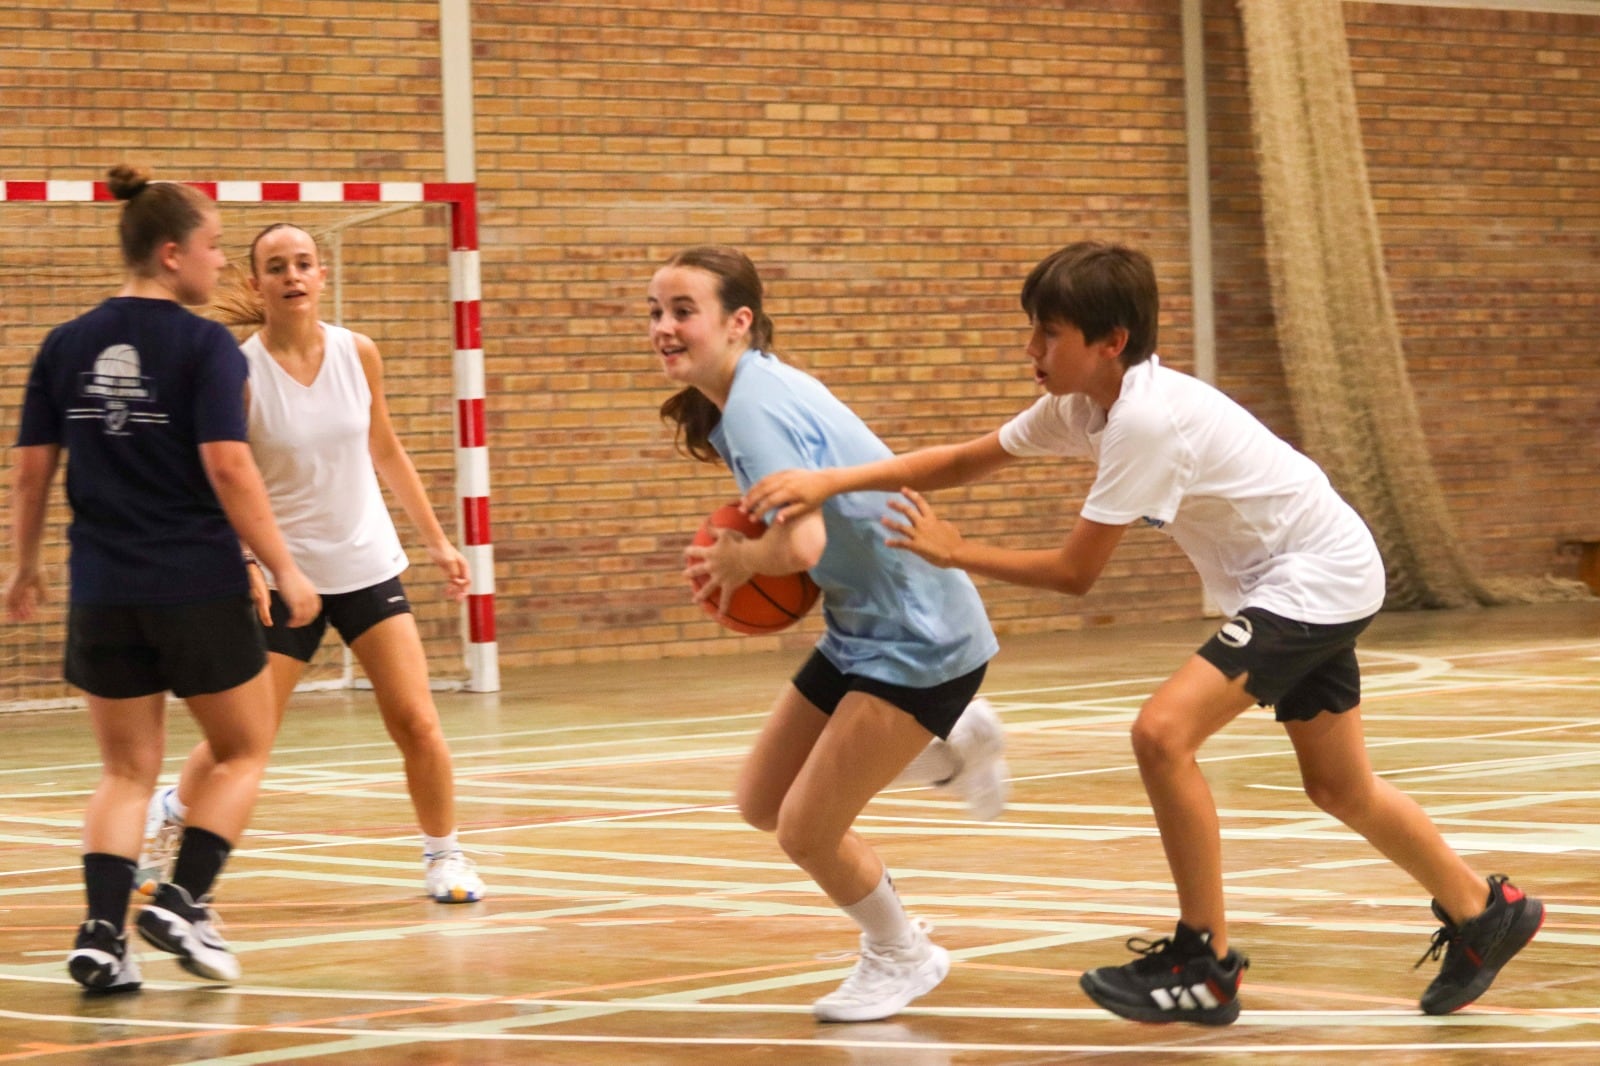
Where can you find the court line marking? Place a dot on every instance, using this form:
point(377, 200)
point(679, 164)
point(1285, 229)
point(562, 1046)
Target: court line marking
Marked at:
point(1362, 1047)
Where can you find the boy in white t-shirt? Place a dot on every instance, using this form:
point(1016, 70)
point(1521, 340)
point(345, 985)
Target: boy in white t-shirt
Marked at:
point(1281, 553)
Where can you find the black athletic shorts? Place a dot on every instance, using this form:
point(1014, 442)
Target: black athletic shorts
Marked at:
point(1300, 668)
point(352, 614)
point(937, 708)
point(189, 649)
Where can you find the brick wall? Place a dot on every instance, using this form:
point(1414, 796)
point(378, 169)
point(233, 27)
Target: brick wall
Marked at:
point(894, 168)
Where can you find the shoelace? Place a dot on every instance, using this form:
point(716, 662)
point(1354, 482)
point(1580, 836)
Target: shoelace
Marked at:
point(1156, 953)
point(874, 965)
point(452, 858)
point(1443, 938)
point(210, 917)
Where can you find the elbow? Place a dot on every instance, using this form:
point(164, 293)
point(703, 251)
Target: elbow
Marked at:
point(226, 476)
point(1073, 583)
point(806, 557)
point(807, 542)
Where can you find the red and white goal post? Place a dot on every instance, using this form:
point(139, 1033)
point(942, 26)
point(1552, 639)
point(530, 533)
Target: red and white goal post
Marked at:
point(54, 259)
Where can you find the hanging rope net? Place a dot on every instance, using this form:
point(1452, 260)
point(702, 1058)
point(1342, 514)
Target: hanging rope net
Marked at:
point(1337, 331)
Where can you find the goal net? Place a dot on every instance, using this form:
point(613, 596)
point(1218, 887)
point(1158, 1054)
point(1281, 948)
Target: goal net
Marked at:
point(390, 276)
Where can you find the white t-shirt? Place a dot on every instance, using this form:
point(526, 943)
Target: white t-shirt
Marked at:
point(310, 442)
point(1258, 519)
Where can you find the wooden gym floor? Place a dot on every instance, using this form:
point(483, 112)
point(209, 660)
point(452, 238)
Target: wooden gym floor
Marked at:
point(634, 919)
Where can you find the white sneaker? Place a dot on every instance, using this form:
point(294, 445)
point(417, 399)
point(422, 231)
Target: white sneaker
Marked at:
point(887, 977)
point(100, 960)
point(175, 923)
point(163, 832)
point(452, 878)
point(980, 742)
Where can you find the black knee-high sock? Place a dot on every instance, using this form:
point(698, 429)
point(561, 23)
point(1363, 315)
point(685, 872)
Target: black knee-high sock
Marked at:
point(200, 858)
point(108, 882)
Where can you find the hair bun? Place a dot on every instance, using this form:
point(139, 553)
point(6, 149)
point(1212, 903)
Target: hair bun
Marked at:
point(127, 181)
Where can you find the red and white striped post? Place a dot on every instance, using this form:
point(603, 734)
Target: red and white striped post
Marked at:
point(472, 453)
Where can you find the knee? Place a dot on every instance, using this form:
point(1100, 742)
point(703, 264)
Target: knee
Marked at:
point(1156, 745)
point(757, 811)
point(1341, 796)
point(135, 768)
point(415, 727)
point(802, 843)
point(241, 750)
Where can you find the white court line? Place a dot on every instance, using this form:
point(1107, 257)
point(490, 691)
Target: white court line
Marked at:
point(613, 1006)
point(492, 1033)
point(363, 1039)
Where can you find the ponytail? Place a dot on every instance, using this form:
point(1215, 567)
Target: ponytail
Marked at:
point(738, 285)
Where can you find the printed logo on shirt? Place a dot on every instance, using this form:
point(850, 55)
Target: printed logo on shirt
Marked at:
point(118, 386)
point(1236, 633)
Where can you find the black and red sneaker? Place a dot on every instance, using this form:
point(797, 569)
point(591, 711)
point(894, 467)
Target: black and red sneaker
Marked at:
point(1177, 979)
point(1475, 950)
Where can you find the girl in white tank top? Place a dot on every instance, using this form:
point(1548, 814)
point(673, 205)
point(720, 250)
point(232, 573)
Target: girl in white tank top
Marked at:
point(311, 443)
point(320, 432)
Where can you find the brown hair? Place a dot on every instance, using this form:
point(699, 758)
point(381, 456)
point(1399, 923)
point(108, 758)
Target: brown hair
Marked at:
point(738, 285)
point(235, 302)
point(1097, 287)
point(153, 213)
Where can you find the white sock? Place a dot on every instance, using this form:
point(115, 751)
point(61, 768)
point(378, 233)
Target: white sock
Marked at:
point(936, 763)
point(176, 809)
point(440, 845)
point(881, 917)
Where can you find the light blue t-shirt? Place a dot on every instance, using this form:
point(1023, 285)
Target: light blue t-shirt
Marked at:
point(890, 615)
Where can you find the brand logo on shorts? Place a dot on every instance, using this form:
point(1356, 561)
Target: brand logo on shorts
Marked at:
point(395, 599)
point(1236, 633)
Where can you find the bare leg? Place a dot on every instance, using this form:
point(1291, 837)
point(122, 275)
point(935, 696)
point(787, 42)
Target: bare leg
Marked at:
point(1338, 778)
point(1172, 725)
point(781, 749)
point(131, 737)
point(284, 673)
point(391, 654)
point(864, 745)
point(238, 725)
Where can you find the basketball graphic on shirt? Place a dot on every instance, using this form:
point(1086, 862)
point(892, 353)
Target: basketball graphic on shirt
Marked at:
point(116, 376)
point(117, 361)
point(116, 392)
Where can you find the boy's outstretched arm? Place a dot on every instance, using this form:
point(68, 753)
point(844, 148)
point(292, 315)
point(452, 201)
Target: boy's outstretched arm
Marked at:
point(797, 492)
point(1071, 568)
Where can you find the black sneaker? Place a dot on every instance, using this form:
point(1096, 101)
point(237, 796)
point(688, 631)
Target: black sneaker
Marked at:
point(1475, 950)
point(1179, 979)
point(100, 960)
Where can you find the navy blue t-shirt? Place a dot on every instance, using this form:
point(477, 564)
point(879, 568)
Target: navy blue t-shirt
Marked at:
point(130, 390)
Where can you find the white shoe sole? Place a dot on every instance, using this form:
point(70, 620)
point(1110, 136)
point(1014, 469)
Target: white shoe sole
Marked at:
point(932, 971)
point(174, 934)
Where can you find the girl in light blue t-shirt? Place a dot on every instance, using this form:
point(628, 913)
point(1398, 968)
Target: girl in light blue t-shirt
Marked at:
point(889, 691)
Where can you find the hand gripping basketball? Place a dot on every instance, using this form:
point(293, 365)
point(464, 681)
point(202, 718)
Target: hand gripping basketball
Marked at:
point(767, 602)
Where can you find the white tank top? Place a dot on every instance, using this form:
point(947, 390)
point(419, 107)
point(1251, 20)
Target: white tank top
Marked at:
point(310, 442)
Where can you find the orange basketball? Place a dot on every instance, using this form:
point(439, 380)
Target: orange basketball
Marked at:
point(767, 602)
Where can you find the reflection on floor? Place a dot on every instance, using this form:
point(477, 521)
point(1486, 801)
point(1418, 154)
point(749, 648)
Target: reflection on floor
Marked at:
point(634, 918)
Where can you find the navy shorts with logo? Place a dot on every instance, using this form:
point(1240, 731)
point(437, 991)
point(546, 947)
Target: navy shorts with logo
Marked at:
point(937, 708)
point(351, 613)
point(1299, 668)
point(190, 649)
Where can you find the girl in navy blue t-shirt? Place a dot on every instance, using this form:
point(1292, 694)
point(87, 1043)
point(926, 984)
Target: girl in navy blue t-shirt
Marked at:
point(147, 401)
